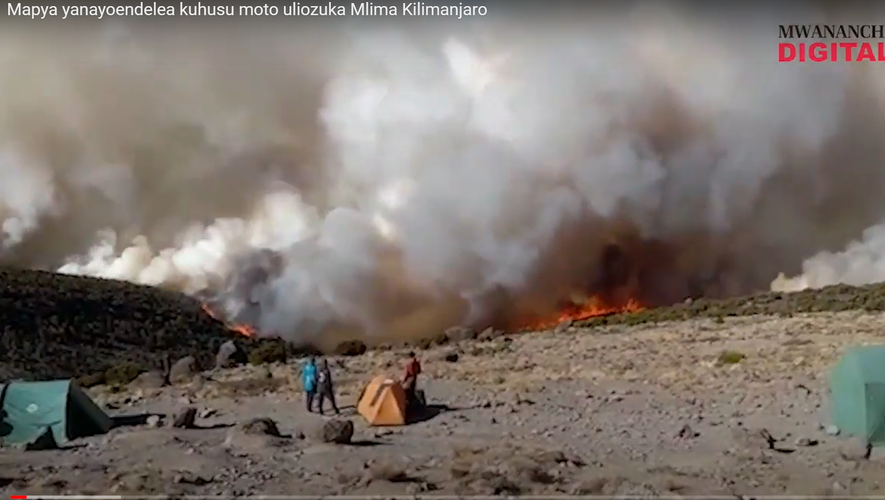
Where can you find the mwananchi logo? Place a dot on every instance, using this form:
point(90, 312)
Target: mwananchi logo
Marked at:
point(831, 43)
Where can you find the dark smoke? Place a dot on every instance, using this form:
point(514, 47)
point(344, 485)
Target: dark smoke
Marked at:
point(389, 181)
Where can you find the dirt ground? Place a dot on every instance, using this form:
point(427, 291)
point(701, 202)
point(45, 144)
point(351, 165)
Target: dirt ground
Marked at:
point(652, 410)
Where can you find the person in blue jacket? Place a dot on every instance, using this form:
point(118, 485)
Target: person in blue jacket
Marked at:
point(309, 380)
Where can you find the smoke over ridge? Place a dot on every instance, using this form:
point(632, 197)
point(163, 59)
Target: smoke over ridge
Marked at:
point(389, 181)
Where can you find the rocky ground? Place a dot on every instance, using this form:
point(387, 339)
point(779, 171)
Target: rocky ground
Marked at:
point(683, 408)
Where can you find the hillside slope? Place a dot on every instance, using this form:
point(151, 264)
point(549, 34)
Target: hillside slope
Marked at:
point(54, 325)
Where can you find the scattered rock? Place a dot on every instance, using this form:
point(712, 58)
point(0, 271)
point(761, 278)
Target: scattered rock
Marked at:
point(392, 473)
point(191, 478)
point(153, 421)
point(225, 358)
point(563, 326)
point(686, 432)
point(730, 357)
point(207, 412)
point(807, 442)
point(350, 348)
point(186, 418)
point(336, 431)
point(490, 334)
point(832, 430)
point(183, 370)
point(261, 426)
point(149, 380)
point(197, 382)
point(451, 357)
point(264, 373)
point(460, 333)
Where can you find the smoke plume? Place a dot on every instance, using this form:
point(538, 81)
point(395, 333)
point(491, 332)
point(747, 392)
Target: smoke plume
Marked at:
point(390, 180)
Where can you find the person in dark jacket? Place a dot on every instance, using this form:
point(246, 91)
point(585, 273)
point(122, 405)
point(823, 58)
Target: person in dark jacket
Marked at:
point(309, 380)
point(325, 387)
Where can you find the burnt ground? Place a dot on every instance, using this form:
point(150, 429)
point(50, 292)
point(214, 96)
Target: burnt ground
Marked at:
point(657, 409)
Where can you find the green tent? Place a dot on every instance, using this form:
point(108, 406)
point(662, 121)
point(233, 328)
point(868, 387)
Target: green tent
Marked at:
point(48, 413)
point(857, 394)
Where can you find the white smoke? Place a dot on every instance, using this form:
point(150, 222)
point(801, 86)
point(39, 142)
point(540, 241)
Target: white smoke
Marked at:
point(861, 263)
point(404, 182)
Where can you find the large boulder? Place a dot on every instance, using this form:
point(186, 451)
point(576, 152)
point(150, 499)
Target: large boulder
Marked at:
point(336, 431)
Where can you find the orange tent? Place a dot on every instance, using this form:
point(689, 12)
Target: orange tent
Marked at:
point(383, 402)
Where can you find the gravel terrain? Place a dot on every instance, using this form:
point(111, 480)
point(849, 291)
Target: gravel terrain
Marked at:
point(731, 406)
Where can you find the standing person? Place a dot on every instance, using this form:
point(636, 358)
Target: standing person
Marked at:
point(309, 380)
point(325, 387)
point(410, 378)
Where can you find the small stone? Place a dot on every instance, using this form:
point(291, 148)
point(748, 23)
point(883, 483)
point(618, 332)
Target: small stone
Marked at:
point(807, 442)
point(460, 333)
point(149, 380)
point(832, 430)
point(451, 357)
point(185, 419)
point(225, 357)
point(183, 370)
point(686, 432)
point(207, 412)
point(490, 334)
point(260, 426)
point(563, 326)
point(197, 382)
point(190, 478)
point(153, 421)
point(336, 431)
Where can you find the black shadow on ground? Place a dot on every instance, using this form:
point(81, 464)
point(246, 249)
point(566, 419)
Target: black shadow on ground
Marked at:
point(366, 443)
point(430, 412)
point(134, 420)
point(213, 426)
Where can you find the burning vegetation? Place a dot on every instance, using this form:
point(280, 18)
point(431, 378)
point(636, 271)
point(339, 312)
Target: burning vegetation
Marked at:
point(629, 275)
point(241, 328)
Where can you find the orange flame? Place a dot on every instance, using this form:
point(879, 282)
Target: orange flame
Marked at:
point(593, 307)
point(241, 328)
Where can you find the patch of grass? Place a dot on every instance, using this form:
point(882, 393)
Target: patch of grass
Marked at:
point(269, 351)
point(730, 357)
point(123, 373)
point(91, 380)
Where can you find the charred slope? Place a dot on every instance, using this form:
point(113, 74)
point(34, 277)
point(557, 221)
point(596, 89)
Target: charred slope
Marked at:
point(58, 326)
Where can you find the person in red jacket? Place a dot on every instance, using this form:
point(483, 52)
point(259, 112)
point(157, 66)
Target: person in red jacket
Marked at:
point(410, 378)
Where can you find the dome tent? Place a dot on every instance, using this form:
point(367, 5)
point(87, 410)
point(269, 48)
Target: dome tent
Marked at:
point(857, 394)
point(41, 414)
